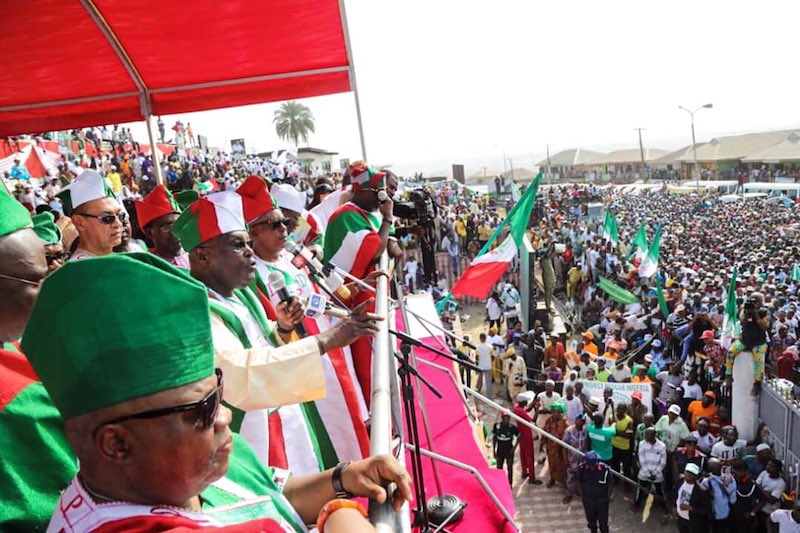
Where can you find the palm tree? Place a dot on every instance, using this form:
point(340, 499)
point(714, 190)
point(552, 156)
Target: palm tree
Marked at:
point(293, 121)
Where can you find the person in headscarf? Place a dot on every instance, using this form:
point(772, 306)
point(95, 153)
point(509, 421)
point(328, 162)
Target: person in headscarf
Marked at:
point(556, 425)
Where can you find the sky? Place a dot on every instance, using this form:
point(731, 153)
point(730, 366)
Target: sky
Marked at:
point(444, 82)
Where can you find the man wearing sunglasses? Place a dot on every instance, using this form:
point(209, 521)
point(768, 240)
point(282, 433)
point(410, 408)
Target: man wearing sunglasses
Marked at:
point(97, 214)
point(342, 411)
point(271, 373)
point(142, 409)
point(37, 461)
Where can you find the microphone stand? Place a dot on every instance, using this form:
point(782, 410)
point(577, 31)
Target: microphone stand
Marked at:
point(414, 342)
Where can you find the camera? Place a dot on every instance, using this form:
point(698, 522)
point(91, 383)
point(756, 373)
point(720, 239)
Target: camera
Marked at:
point(420, 207)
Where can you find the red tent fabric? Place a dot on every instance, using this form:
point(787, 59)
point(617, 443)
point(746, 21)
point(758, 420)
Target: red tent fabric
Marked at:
point(68, 63)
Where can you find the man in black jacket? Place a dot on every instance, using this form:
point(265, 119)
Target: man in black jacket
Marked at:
point(743, 518)
point(693, 503)
point(595, 479)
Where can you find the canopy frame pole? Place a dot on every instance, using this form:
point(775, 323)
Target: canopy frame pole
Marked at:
point(133, 72)
point(353, 83)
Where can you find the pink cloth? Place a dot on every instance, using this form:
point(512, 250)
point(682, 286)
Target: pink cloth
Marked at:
point(453, 437)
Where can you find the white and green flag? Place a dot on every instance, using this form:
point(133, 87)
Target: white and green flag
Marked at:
point(610, 229)
point(639, 245)
point(649, 264)
point(730, 323)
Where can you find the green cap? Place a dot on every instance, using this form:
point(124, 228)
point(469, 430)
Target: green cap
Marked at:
point(13, 215)
point(91, 350)
point(186, 198)
point(45, 227)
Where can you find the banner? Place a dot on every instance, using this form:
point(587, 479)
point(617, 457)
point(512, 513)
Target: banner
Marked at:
point(622, 392)
point(237, 148)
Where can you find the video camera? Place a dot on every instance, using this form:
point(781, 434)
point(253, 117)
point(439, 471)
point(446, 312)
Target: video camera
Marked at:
point(422, 209)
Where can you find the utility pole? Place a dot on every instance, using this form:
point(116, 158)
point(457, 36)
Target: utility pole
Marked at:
point(511, 164)
point(641, 152)
point(549, 175)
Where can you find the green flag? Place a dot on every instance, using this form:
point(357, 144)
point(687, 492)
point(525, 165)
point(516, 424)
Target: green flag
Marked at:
point(662, 302)
point(610, 229)
point(731, 319)
point(649, 264)
point(518, 217)
point(639, 245)
point(617, 293)
point(795, 273)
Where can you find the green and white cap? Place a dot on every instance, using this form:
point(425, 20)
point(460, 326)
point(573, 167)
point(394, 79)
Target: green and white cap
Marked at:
point(92, 352)
point(88, 186)
point(45, 227)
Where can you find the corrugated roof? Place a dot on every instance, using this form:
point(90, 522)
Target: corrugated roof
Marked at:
point(734, 147)
point(519, 174)
point(570, 158)
point(672, 157)
point(786, 150)
point(484, 173)
point(631, 155)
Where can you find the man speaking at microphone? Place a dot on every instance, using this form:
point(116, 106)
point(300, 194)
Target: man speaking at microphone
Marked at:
point(342, 410)
point(356, 236)
point(260, 372)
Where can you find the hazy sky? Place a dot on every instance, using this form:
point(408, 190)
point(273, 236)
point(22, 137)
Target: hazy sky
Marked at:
point(443, 82)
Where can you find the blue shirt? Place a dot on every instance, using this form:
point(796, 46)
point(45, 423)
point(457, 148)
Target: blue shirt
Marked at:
point(19, 172)
point(723, 496)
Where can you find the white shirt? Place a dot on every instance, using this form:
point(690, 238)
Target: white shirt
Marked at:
point(493, 309)
point(727, 454)
point(692, 391)
point(773, 487)
point(574, 408)
point(484, 356)
point(684, 496)
point(786, 523)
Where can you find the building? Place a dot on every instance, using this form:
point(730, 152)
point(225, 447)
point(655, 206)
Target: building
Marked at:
point(625, 164)
point(316, 160)
point(569, 163)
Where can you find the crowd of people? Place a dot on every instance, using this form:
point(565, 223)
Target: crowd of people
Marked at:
point(677, 442)
point(160, 369)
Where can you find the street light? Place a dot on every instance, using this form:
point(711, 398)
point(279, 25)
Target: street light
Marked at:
point(694, 143)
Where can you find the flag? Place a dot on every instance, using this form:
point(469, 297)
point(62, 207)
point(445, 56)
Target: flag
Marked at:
point(639, 245)
point(488, 266)
point(795, 273)
point(662, 302)
point(617, 293)
point(515, 194)
point(730, 322)
point(610, 230)
point(208, 186)
point(442, 304)
point(649, 264)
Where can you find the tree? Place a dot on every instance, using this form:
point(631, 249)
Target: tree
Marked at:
point(293, 122)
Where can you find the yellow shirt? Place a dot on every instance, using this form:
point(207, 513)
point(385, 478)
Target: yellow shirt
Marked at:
point(461, 228)
point(622, 442)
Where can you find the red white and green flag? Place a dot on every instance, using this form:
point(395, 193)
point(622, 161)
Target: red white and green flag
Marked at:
point(352, 240)
point(488, 266)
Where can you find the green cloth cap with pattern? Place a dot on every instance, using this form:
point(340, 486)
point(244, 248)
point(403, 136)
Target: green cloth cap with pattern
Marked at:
point(92, 350)
point(13, 215)
point(209, 217)
point(45, 227)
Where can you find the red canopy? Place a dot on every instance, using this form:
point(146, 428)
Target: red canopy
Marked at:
point(72, 63)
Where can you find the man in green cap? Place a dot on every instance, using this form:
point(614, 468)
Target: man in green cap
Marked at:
point(45, 227)
point(36, 461)
point(96, 213)
point(213, 231)
point(142, 410)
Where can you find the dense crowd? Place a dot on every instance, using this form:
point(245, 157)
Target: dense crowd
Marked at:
point(680, 444)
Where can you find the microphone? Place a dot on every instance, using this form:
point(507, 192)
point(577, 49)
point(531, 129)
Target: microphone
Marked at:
point(304, 257)
point(278, 285)
point(318, 305)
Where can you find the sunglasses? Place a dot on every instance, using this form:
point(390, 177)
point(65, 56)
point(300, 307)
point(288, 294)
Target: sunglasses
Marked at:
point(204, 412)
point(106, 219)
point(52, 258)
point(275, 224)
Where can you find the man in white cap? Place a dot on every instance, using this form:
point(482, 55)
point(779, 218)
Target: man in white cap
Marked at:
point(660, 361)
point(672, 431)
point(543, 402)
point(96, 213)
point(525, 404)
point(303, 226)
point(693, 503)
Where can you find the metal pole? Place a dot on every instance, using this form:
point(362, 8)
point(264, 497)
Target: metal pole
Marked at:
point(641, 152)
point(382, 516)
point(694, 149)
point(353, 83)
point(153, 148)
point(549, 167)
